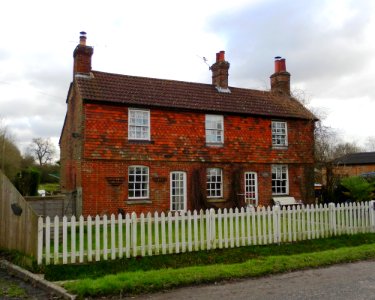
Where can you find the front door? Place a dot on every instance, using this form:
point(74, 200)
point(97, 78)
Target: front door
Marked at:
point(178, 191)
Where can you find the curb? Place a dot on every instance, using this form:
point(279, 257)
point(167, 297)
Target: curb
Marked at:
point(36, 280)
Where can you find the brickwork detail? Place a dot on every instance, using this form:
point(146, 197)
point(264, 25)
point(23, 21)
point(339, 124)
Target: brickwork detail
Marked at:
point(102, 150)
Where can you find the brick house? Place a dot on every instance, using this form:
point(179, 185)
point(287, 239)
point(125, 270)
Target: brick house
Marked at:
point(143, 144)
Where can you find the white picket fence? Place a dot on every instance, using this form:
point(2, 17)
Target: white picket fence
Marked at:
point(94, 239)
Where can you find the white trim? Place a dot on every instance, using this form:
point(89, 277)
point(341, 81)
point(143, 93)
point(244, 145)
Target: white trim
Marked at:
point(213, 182)
point(183, 187)
point(148, 182)
point(285, 136)
point(148, 126)
point(286, 179)
point(218, 119)
point(255, 198)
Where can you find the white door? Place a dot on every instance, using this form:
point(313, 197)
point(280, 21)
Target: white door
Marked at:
point(251, 188)
point(178, 191)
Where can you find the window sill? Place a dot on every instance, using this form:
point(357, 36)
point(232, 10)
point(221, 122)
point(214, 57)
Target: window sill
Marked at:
point(216, 200)
point(138, 201)
point(217, 145)
point(280, 147)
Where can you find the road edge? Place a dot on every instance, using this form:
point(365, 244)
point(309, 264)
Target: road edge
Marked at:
point(36, 280)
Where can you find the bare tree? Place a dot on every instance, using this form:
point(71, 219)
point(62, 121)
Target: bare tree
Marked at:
point(370, 143)
point(345, 148)
point(43, 150)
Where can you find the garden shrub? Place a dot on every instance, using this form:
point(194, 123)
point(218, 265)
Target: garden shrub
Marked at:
point(359, 189)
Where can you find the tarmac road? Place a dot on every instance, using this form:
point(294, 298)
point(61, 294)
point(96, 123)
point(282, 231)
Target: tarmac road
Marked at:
point(25, 290)
point(347, 281)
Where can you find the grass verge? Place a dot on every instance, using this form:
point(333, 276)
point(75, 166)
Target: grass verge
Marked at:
point(200, 258)
point(142, 281)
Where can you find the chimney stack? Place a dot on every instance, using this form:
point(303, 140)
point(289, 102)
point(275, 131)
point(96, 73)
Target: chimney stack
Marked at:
point(220, 71)
point(280, 80)
point(82, 56)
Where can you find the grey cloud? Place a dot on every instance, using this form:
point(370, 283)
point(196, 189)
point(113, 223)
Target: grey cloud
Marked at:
point(316, 53)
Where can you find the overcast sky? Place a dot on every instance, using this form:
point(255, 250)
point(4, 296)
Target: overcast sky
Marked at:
point(329, 48)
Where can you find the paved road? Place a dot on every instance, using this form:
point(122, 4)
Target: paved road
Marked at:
point(348, 281)
point(25, 291)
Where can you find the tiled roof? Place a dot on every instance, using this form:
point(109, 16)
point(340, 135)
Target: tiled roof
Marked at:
point(143, 91)
point(356, 159)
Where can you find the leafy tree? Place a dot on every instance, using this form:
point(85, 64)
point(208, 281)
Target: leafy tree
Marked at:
point(10, 155)
point(43, 150)
point(359, 189)
point(27, 182)
point(49, 173)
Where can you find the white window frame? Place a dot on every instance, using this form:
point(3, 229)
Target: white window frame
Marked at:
point(251, 188)
point(214, 125)
point(133, 126)
point(278, 180)
point(144, 192)
point(279, 133)
point(178, 191)
point(213, 179)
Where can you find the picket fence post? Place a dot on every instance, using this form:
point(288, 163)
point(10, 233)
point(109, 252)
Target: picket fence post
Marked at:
point(134, 233)
point(276, 223)
point(48, 240)
point(40, 240)
point(332, 218)
point(372, 215)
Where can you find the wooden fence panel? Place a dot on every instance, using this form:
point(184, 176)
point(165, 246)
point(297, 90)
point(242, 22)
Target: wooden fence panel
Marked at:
point(17, 232)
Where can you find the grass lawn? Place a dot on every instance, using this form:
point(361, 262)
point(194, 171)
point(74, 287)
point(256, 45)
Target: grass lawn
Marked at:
point(149, 274)
point(49, 187)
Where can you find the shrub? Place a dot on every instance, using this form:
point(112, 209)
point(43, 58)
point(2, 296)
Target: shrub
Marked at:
point(27, 182)
point(359, 189)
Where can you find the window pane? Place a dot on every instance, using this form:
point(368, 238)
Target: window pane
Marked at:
point(139, 124)
point(279, 133)
point(214, 182)
point(280, 179)
point(138, 182)
point(214, 129)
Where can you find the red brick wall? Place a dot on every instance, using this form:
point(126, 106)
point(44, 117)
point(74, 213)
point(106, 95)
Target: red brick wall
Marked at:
point(177, 136)
point(178, 144)
point(71, 144)
point(101, 197)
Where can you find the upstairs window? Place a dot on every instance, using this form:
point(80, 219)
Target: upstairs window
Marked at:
point(138, 182)
point(214, 183)
point(139, 124)
point(214, 129)
point(280, 184)
point(279, 134)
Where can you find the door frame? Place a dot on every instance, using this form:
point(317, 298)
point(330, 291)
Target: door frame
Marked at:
point(184, 186)
point(255, 185)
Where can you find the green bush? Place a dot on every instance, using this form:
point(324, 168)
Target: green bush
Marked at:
point(359, 189)
point(27, 182)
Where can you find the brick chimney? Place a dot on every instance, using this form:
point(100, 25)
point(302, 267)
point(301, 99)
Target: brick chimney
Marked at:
point(220, 71)
point(280, 80)
point(82, 56)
